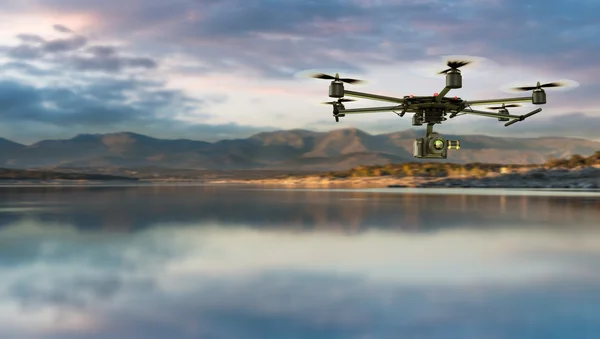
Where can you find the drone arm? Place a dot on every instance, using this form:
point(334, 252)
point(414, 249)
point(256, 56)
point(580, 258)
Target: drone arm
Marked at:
point(490, 114)
point(370, 110)
point(499, 101)
point(442, 93)
point(373, 96)
point(523, 117)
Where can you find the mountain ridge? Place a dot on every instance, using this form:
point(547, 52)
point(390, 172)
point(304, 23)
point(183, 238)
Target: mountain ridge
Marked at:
point(284, 149)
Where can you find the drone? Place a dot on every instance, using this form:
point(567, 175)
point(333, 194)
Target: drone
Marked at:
point(431, 110)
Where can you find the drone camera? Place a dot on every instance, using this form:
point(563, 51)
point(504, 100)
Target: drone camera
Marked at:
point(336, 89)
point(538, 97)
point(434, 147)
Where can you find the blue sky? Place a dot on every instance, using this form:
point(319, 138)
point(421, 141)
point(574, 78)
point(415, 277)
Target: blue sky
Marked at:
point(206, 69)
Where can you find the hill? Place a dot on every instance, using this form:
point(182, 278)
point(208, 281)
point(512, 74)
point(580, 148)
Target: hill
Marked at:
point(18, 175)
point(281, 150)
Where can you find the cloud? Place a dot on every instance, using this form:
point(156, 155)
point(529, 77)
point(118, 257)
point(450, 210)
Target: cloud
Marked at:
point(245, 42)
point(76, 53)
point(62, 29)
point(29, 69)
point(30, 38)
point(62, 87)
point(36, 47)
point(104, 105)
point(305, 34)
point(98, 104)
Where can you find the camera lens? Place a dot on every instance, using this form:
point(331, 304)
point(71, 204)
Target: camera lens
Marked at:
point(438, 144)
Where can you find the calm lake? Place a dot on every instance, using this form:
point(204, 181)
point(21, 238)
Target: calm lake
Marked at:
point(240, 262)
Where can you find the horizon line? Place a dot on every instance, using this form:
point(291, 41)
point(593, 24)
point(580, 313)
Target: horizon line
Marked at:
point(292, 130)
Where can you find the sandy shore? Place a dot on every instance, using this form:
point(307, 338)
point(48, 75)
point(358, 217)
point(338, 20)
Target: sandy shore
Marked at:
point(585, 178)
point(321, 182)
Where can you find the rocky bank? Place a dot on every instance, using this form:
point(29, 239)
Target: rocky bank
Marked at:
point(586, 178)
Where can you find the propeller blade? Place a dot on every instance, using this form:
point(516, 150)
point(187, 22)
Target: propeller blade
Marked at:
point(554, 84)
point(351, 81)
point(322, 76)
point(547, 85)
point(525, 88)
point(505, 106)
point(454, 64)
point(337, 101)
point(336, 78)
point(457, 63)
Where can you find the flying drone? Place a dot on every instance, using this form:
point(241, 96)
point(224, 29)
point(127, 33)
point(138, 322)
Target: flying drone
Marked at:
point(435, 109)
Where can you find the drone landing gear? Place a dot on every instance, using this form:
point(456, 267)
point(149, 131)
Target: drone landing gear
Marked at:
point(433, 146)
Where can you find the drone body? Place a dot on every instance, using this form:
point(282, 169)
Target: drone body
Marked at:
point(435, 109)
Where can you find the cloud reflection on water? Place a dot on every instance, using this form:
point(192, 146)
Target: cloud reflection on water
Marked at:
point(213, 281)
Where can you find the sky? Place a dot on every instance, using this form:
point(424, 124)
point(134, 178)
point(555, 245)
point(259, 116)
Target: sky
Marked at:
point(209, 70)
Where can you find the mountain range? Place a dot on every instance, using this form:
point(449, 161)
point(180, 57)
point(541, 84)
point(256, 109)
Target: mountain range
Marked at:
point(282, 150)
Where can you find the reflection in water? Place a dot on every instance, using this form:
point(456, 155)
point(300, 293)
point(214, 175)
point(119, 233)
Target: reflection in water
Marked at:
point(135, 208)
point(205, 262)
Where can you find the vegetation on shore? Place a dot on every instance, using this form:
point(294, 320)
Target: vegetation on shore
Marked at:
point(19, 174)
point(439, 169)
point(425, 170)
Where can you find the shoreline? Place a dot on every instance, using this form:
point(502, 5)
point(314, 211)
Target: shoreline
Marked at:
point(537, 178)
point(584, 178)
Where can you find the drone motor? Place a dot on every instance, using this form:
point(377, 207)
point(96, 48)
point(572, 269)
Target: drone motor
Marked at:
point(453, 76)
point(337, 107)
point(538, 96)
point(504, 110)
point(454, 79)
point(336, 89)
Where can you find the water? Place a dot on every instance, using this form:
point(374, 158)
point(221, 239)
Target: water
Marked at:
point(226, 262)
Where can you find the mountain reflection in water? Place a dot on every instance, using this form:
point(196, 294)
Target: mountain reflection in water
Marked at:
point(224, 262)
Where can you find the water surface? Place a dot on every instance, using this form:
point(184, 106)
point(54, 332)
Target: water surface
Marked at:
point(235, 262)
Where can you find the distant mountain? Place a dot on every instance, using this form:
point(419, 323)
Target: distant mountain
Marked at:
point(291, 149)
point(9, 146)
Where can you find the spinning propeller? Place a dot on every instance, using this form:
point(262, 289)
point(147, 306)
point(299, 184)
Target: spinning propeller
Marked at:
point(337, 104)
point(454, 65)
point(504, 106)
point(538, 86)
point(336, 78)
point(338, 101)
